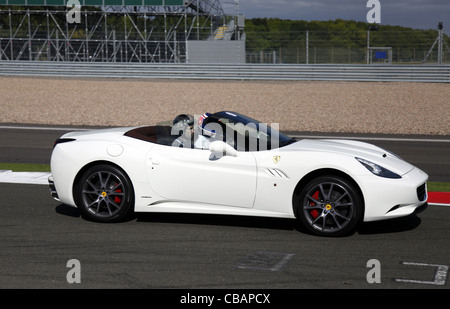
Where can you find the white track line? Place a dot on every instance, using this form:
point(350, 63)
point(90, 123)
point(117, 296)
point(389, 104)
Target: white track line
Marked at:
point(364, 138)
point(43, 128)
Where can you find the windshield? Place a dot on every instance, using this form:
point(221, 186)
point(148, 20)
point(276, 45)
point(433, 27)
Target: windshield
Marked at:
point(245, 133)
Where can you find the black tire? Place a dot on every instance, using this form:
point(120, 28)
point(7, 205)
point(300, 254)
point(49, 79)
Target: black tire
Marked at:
point(330, 206)
point(104, 193)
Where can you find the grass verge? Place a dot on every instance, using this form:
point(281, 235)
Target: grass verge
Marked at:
point(22, 167)
point(438, 187)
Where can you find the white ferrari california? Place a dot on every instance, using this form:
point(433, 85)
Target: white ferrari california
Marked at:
point(227, 163)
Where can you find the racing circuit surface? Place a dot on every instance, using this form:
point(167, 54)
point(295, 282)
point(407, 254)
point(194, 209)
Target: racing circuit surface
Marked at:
point(39, 236)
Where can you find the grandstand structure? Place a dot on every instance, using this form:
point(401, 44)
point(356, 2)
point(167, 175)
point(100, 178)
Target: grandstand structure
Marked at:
point(150, 31)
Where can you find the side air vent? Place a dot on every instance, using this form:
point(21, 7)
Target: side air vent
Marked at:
point(276, 173)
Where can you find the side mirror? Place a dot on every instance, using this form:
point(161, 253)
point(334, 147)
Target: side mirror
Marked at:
point(222, 149)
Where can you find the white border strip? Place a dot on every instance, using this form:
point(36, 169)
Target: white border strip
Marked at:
point(364, 138)
point(439, 204)
point(33, 178)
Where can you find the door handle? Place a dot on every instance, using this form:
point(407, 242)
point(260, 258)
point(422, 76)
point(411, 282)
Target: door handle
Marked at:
point(153, 161)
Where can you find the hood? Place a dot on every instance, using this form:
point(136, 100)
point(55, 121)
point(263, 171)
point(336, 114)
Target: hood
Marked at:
point(353, 148)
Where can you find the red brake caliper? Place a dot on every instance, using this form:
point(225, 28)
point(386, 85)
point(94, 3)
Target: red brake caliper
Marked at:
point(117, 199)
point(314, 213)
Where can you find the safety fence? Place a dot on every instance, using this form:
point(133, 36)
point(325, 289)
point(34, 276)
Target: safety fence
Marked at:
point(386, 73)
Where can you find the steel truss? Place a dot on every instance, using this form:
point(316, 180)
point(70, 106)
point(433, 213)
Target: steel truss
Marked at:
point(155, 34)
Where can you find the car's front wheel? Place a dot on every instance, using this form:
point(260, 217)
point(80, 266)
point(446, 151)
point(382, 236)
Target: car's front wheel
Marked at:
point(104, 193)
point(330, 206)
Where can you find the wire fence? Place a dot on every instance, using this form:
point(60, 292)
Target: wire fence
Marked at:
point(342, 42)
point(339, 55)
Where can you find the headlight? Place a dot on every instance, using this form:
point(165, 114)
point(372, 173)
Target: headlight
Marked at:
point(378, 170)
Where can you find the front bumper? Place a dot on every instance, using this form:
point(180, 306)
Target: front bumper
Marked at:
point(393, 198)
point(420, 209)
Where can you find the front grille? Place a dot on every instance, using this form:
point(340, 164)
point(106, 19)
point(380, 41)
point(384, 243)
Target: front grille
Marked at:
point(422, 193)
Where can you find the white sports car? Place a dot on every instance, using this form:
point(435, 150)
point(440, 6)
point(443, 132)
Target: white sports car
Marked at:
point(227, 163)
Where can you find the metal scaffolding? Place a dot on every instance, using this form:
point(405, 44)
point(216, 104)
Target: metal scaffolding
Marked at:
point(150, 33)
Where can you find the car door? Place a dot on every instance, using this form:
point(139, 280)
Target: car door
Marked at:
point(198, 175)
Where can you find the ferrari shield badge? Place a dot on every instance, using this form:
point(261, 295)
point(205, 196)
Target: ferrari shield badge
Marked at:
point(276, 159)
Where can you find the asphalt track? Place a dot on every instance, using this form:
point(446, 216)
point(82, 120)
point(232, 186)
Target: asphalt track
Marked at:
point(39, 237)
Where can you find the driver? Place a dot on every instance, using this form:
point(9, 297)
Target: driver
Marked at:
point(183, 128)
point(205, 134)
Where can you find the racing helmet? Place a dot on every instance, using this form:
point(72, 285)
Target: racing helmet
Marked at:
point(203, 127)
point(181, 123)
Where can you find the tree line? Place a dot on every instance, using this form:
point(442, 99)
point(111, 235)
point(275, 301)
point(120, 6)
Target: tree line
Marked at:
point(274, 33)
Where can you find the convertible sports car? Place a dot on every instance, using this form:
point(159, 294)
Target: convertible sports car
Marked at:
point(227, 163)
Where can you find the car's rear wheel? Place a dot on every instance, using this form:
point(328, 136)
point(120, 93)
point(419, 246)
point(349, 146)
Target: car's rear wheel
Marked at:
point(104, 193)
point(330, 206)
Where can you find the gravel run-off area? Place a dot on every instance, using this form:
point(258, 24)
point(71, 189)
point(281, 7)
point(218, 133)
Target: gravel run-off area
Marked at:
point(353, 107)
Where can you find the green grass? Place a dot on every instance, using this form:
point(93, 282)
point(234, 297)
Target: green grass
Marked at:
point(21, 167)
point(438, 187)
